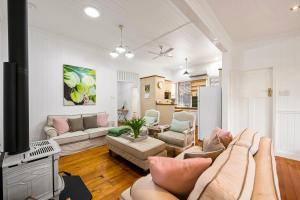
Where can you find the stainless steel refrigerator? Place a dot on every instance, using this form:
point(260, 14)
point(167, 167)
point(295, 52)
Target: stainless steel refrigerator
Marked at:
point(209, 110)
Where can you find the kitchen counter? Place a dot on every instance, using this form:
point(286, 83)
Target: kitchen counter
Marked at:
point(185, 108)
point(166, 104)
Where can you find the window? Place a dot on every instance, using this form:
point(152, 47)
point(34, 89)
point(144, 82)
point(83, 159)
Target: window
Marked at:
point(184, 93)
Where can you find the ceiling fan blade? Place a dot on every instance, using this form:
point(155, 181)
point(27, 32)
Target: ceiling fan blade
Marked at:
point(169, 56)
point(155, 57)
point(151, 52)
point(168, 50)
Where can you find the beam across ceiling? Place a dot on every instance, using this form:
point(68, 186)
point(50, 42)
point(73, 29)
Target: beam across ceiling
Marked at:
point(201, 15)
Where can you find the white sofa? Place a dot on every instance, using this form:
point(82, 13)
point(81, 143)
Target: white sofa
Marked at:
point(72, 142)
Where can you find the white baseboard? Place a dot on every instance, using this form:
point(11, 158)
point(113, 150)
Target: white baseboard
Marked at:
point(288, 155)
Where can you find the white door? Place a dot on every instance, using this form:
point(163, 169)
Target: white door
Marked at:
point(252, 100)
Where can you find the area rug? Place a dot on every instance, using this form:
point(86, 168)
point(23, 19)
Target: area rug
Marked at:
point(75, 189)
point(81, 146)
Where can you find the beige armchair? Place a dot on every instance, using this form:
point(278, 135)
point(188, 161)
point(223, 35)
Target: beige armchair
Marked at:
point(180, 141)
point(155, 114)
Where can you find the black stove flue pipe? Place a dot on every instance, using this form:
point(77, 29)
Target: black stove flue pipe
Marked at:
point(16, 102)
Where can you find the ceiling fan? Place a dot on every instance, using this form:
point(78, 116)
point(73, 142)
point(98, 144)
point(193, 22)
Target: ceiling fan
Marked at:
point(162, 53)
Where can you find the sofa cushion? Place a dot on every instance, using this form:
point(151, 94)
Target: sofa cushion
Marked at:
point(230, 177)
point(194, 149)
point(266, 180)
point(240, 136)
point(165, 171)
point(185, 116)
point(90, 122)
point(88, 115)
point(224, 136)
point(212, 154)
point(102, 119)
point(144, 188)
point(149, 120)
point(61, 125)
point(179, 126)
point(212, 143)
point(76, 124)
point(50, 118)
point(70, 137)
point(141, 150)
point(97, 132)
point(249, 138)
point(174, 138)
point(125, 195)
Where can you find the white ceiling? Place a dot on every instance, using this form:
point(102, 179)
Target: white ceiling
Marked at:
point(148, 23)
point(256, 19)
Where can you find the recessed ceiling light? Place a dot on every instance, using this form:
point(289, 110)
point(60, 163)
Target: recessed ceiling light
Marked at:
point(91, 12)
point(295, 8)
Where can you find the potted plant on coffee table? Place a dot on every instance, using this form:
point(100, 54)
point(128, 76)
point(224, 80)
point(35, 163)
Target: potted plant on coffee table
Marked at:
point(135, 125)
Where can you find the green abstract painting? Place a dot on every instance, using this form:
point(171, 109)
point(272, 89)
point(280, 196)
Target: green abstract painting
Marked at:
point(79, 86)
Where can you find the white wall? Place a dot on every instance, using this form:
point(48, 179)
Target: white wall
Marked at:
point(284, 56)
point(210, 68)
point(47, 54)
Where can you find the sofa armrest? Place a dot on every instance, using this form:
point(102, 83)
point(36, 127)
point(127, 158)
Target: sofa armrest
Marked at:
point(50, 131)
point(189, 131)
point(165, 128)
point(144, 188)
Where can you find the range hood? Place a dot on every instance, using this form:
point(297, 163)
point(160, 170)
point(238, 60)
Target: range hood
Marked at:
point(15, 91)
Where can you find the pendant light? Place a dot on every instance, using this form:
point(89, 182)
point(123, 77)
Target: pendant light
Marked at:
point(121, 48)
point(113, 54)
point(186, 73)
point(129, 54)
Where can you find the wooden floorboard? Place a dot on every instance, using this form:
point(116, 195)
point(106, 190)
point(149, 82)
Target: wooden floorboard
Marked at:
point(107, 177)
point(289, 178)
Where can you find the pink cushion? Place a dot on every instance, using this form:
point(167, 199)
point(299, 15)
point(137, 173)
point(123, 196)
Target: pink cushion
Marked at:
point(102, 119)
point(224, 136)
point(177, 176)
point(61, 125)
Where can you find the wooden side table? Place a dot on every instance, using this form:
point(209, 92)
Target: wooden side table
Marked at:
point(154, 130)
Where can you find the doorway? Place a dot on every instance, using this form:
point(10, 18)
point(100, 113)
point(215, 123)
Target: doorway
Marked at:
point(128, 99)
point(252, 93)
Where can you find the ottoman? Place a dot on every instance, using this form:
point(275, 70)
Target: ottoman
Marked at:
point(137, 152)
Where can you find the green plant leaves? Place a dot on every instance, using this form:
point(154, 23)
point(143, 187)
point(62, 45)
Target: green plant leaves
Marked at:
point(136, 125)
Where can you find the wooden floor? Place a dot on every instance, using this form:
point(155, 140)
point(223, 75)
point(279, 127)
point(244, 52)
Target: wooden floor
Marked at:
point(289, 178)
point(106, 176)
